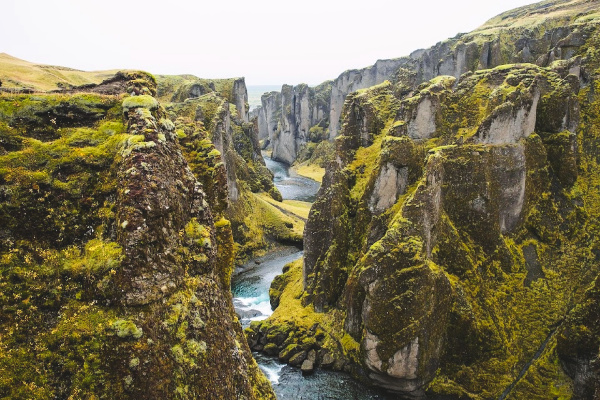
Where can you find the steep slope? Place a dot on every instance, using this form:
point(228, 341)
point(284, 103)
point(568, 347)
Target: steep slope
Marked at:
point(115, 256)
point(452, 250)
point(18, 75)
point(293, 118)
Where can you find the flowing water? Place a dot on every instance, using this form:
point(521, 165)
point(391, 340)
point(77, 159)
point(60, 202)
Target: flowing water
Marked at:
point(250, 287)
point(251, 282)
point(291, 185)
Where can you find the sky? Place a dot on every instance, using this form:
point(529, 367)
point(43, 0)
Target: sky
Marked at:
point(269, 42)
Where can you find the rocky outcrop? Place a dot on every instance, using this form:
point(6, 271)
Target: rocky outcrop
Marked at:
point(391, 183)
point(353, 80)
point(222, 137)
point(548, 35)
point(294, 117)
point(510, 123)
point(269, 113)
point(179, 88)
point(211, 118)
point(126, 271)
point(240, 98)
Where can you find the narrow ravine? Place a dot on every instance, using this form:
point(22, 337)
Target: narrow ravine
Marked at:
point(250, 287)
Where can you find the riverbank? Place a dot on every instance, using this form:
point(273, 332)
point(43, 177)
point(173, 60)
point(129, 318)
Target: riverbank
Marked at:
point(251, 282)
point(310, 171)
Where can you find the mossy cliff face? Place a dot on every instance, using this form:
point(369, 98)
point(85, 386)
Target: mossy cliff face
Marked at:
point(115, 263)
point(214, 134)
point(540, 34)
point(179, 88)
point(452, 249)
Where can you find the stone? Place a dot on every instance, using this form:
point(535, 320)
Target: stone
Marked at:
point(390, 184)
point(510, 123)
point(422, 125)
point(288, 352)
point(271, 349)
point(298, 359)
point(327, 360)
point(312, 356)
point(307, 367)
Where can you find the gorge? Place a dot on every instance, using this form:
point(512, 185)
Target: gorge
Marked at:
point(451, 250)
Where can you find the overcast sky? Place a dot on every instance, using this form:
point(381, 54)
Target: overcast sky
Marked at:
point(266, 41)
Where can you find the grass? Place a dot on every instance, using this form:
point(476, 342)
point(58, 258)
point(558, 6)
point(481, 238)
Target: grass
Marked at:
point(533, 15)
point(277, 215)
point(17, 73)
point(293, 208)
point(291, 308)
point(260, 223)
point(364, 163)
point(310, 171)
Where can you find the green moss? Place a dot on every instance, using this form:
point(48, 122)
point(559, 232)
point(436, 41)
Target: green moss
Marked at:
point(126, 329)
point(142, 101)
point(62, 335)
point(364, 163)
point(438, 260)
point(226, 251)
point(214, 153)
point(42, 116)
point(257, 223)
point(198, 233)
point(98, 257)
point(134, 363)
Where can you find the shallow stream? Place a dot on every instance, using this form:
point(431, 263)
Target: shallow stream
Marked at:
point(291, 185)
point(250, 287)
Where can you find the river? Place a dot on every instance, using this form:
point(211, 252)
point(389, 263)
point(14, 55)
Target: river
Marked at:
point(250, 287)
point(291, 185)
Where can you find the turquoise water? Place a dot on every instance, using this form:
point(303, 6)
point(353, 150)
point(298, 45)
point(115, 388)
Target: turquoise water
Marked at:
point(255, 91)
point(291, 185)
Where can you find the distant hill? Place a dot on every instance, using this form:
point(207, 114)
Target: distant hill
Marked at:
point(21, 74)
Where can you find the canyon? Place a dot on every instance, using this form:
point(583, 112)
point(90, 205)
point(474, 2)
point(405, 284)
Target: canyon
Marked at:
point(451, 251)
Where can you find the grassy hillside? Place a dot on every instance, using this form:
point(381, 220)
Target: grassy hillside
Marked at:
point(535, 15)
point(17, 73)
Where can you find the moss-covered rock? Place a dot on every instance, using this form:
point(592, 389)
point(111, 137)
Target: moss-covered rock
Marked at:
point(114, 275)
point(452, 242)
point(223, 152)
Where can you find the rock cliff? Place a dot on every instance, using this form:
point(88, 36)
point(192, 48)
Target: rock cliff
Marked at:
point(178, 88)
point(115, 255)
point(451, 250)
point(294, 117)
point(207, 112)
point(539, 34)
